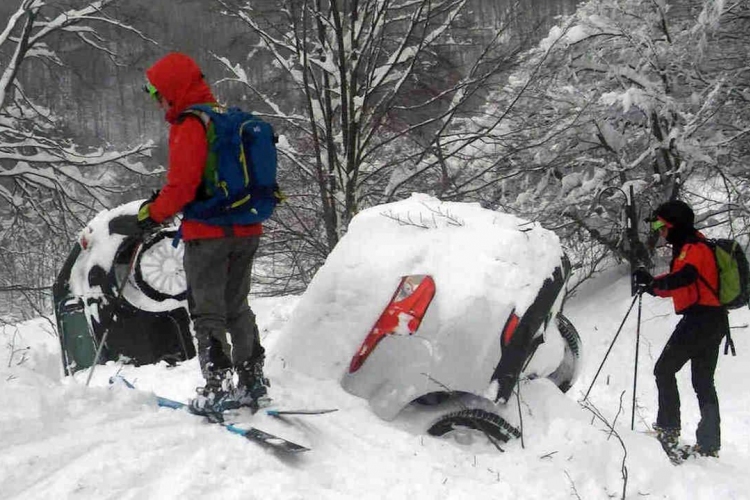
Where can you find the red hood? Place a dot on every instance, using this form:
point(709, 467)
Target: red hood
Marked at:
point(180, 81)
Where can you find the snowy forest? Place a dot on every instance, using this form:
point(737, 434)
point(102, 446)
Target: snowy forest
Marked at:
point(554, 111)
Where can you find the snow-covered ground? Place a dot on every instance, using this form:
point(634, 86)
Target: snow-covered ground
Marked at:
point(60, 439)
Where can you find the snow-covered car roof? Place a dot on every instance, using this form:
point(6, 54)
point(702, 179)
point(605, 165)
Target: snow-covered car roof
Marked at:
point(101, 247)
point(480, 260)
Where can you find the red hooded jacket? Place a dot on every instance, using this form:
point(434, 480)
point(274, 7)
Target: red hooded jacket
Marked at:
point(179, 80)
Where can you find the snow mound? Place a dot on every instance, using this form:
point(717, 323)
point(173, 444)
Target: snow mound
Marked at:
point(480, 257)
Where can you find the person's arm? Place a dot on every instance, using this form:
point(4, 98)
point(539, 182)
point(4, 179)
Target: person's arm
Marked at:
point(684, 277)
point(188, 150)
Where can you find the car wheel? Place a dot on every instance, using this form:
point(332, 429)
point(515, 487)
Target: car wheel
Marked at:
point(475, 419)
point(433, 398)
point(158, 269)
point(567, 372)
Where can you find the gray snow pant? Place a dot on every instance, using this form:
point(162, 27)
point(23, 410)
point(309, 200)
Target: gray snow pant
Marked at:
point(218, 278)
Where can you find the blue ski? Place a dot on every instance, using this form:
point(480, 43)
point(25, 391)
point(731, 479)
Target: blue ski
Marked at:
point(251, 433)
point(280, 413)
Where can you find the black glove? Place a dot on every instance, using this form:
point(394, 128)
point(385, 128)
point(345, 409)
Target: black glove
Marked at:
point(153, 196)
point(642, 277)
point(643, 280)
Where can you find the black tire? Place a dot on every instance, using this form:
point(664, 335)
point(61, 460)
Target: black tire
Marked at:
point(433, 398)
point(481, 420)
point(567, 372)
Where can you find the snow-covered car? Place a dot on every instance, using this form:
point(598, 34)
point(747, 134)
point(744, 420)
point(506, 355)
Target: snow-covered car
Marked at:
point(425, 302)
point(132, 288)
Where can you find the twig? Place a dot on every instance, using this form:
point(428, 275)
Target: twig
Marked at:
point(573, 486)
point(452, 219)
point(612, 432)
point(520, 414)
point(13, 351)
point(408, 222)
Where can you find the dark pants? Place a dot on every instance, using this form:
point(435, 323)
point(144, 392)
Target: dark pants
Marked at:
point(218, 277)
point(697, 339)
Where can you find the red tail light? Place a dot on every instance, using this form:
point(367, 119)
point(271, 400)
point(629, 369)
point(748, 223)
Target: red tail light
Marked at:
point(84, 240)
point(402, 315)
point(510, 328)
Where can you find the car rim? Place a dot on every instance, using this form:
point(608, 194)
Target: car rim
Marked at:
point(159, 271)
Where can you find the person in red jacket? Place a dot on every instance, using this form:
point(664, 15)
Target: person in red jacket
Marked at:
point(691, 281)
point(218, 259)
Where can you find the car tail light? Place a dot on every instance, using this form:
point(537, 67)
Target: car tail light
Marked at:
point(510, 328)
point(84, 240)
point(402, 315)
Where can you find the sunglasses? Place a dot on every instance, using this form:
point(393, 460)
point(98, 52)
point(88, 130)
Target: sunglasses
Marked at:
point(151, 90)
point(657, 224)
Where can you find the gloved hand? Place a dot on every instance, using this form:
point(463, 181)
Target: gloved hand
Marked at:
point(145, 222)
point(643, 280)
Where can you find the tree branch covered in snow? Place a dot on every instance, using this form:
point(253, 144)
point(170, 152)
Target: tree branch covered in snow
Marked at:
point(628, 93)
point(374, 91)
point(49, 185)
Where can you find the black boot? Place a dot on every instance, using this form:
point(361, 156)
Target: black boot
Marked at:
point(252, 390)
point(700, 451)
point(216, 396)
point(670, 442)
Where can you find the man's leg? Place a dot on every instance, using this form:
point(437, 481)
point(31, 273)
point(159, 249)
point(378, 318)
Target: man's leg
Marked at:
point(247, 353)
point(672, 359)
point(240, 317)
point(206, 273)
point(703, 367)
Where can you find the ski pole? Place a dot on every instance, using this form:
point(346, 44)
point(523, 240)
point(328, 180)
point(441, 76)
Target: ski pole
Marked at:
point(610, 346)
point(115, 305)
point(635, 369)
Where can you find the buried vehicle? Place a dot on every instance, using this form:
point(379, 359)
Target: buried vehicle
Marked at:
point(407, 358)
point(124, 289)
point(437, 305)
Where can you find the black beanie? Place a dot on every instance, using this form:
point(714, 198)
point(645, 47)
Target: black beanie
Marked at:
point(677, 213)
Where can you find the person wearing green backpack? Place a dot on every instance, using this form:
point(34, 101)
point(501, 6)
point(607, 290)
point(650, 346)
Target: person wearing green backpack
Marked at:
point(691, 283)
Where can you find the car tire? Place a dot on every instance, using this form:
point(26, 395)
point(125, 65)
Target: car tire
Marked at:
point(433, 398)
point(566, 373)
point(477, 419)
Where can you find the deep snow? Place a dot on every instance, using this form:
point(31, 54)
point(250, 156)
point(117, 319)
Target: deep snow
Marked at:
point(60, 439)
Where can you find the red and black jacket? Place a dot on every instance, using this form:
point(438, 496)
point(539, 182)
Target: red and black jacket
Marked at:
point(692, 271)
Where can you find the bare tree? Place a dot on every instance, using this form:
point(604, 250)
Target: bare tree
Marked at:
point(368, 94)
point(49, 186)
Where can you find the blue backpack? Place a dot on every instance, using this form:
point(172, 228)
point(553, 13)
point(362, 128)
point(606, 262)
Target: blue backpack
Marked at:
point(239, 180)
